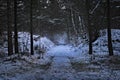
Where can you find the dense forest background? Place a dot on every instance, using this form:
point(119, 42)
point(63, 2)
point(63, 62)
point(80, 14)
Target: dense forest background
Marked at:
point(59, 39)
point(75, 18)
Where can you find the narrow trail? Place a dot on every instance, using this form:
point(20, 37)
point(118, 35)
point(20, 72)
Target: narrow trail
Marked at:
point(61, 55)
point(61, 66)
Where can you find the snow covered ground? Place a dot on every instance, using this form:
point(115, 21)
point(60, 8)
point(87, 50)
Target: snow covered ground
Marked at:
point(100, 45)
point(59, 64)
point(24, 43)
point(38, 41)
point(65, 62)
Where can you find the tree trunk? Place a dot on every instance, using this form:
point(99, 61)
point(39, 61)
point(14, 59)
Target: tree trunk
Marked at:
point(15, 27)
point(73, 22)
point(89, 26)
point(68, 29)
point(109, 29)
point(31, 28)
point(10, 45)
point(74, 27)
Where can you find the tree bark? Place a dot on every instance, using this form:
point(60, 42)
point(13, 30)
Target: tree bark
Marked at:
point(31, 28)
point(10, 44)
point(89, 26)
point(109, 29)
point(15, 27)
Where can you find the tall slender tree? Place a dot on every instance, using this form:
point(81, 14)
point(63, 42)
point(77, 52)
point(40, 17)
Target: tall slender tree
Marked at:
point(68, 28)
point(109, 29)
point(15, 27)
point(89, 25)
point(31, 27)
point(10, 45)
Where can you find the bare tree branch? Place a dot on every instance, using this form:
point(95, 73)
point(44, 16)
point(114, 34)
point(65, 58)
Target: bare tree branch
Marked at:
point(95, 7)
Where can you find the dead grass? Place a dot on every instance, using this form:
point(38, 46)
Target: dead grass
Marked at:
point(84, 67)
point(98, 64)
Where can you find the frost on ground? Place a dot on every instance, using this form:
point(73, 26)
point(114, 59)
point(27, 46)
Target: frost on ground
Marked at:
point(39, 42)
point(100, 45)
point(99, 66)
point(66, 62)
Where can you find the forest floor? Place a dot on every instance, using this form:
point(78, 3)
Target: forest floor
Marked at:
point(60, 64)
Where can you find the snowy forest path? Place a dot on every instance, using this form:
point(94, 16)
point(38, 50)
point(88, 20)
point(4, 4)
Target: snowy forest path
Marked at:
point(61, 55)
point(60, 62)
point(61, 65)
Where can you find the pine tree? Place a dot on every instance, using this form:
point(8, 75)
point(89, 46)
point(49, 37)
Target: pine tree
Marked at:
point(109, 29)
point(89, 26)
point(10, 45)
point(15, 27)
point(31, 28)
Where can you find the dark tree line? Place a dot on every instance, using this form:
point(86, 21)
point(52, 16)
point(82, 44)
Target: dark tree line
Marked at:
point(79, 18)
point(9, 28)
point(90, 24)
